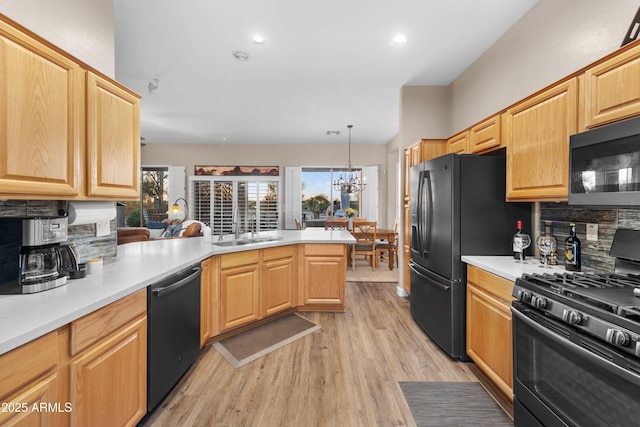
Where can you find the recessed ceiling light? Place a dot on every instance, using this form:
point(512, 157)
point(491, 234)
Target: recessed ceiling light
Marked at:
point(399, 40)
point(258, 39)
point(240, 56)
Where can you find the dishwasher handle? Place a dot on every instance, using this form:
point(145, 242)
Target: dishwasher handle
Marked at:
point(158, 292)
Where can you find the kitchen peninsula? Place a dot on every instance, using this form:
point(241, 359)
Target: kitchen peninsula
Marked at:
point(139, 264)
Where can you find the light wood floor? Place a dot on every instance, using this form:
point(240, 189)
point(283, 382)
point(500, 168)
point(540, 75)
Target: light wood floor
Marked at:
point(345, 374)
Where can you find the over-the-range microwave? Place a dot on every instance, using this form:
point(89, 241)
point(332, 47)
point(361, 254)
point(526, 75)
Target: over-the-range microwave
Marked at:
point(604, 165)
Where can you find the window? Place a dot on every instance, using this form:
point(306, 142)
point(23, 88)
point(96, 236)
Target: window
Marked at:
point(319, 197)
point(255, 202)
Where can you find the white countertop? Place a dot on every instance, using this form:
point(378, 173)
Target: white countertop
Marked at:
point(137, 265)
point(509, 268)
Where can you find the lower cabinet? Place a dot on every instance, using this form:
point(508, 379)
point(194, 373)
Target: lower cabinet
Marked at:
point(108, 368)
point(109, 380)
point(279, 279)
point(324, 283)
point(29, 378)
point(489, 340)
point(239, 289)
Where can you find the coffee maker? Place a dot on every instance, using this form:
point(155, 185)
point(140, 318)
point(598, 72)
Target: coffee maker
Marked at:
point(45, 259)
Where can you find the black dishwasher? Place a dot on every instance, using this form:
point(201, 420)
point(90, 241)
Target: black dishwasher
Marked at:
point(173, 331)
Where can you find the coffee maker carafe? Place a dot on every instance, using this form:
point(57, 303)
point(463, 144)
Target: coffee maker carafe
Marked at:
point(44, 261)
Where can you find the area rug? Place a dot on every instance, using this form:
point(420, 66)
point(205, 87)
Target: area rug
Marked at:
point(452, 404)
point(255, 343)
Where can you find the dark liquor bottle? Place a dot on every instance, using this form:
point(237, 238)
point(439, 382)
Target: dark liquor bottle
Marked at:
point(518, 250)
point(572, 251)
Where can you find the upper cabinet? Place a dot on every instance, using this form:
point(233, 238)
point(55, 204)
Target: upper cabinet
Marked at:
point(65, 131)
point(536, 133)
point(113, 140)
point(41, 118)
point(459, 143)
point(611, 89)
point(486, 135)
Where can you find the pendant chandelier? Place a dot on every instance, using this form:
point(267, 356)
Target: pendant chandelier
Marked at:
point(349, 183)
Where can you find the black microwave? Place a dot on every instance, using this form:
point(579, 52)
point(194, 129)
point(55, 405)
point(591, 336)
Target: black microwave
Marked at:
point(604, 165)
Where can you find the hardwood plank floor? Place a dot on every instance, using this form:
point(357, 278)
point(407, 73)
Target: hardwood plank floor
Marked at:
point(345, 374)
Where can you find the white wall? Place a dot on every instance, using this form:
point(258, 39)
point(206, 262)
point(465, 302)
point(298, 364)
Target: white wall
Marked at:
point(83, 28)
point(554, 39)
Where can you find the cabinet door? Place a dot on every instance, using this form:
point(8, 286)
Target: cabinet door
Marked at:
point(537, 133)
point(407, 173)
point(239, 295)
point(459, 143)
point(29, 376)
point(109, 380)
point(41, 99)
point(113, 140)
point(209, 301)
point(612, 89)
point(325, 270)
point(432, 148)
point(486, 135)
point(489, 339)
point(278, 279)
point(407, 247)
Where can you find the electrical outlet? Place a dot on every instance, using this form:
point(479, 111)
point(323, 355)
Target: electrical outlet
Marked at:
point(102, 229)
point(592, 232)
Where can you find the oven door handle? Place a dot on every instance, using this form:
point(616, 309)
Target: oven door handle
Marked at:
point(594, 357)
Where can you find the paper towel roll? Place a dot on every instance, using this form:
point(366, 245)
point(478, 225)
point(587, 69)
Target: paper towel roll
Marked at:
point(81, 213)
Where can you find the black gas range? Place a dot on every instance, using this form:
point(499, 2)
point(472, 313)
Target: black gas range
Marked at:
point(576, 340)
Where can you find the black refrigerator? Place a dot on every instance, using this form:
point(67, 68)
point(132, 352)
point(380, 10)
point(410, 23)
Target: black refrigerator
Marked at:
point(457, 208)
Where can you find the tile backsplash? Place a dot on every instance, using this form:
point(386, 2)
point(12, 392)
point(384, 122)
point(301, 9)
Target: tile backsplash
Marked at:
point(84, 236)
point(595, 254)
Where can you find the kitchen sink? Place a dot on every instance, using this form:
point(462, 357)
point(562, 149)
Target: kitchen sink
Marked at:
point(247, 241)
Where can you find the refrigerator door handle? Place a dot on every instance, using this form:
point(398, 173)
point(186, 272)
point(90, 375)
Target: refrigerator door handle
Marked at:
point(428, 280)
point(426, 208)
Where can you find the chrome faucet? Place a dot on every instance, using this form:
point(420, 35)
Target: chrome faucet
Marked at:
point(236, 221)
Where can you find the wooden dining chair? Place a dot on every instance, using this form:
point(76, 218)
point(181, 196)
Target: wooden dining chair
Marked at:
point(365, 234)
point(335, 223)
point(298, 225)
point(383, 247)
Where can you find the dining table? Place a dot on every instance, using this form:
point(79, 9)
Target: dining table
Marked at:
point(389, 235)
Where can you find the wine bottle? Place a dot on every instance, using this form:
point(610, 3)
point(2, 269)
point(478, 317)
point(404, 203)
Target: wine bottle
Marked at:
point(517, 242)
point(572, 260)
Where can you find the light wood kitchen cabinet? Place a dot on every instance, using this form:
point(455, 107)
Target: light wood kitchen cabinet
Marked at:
point(209, 300)
point(325, 277)
point(489, 340)
point(279, 279)
point(537, 134)
point(113, 140)
point(239, 289)
point(67, 131)
point(611, 89)
point(41, 118)
point(486, 135)
point(108, 368)
point(29, 376)
point(459, 143)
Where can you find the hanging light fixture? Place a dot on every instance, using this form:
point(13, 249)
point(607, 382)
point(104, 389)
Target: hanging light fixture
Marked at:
point(349, 183)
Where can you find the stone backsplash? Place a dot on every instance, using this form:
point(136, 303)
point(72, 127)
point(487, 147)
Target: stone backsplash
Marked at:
point(84, 236)
point(595, 254)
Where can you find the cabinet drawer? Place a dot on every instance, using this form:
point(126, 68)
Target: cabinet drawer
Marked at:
point(278, 252)
point(99, 324)
point(323, 249)
point(495, 285)
point(239, 258)
point(27, 362)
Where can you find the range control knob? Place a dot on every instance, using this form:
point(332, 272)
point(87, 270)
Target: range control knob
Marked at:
point(572, 317)
point(617, 337)
point(524, 296)
point(539, 302)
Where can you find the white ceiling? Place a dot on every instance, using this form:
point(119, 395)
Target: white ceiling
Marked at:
point(324, 64)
